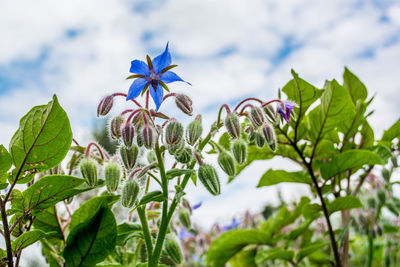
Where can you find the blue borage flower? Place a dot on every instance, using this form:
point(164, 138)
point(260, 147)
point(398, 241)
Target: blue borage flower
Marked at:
point(235, 223)
point(155, 73)
point(285, 109)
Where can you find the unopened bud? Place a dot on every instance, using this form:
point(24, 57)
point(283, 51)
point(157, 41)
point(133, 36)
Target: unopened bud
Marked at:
point(209, 178)
point(184, 156)
point(105, 105)
point(173, 250)
point(116, 127)
point(232, 125)
point(176, 149)
point(130, 192)
point(239, 151)
point(256, 116)
point(147, 136)
point(227, 163)
point(259, 140)
point(386, 174)
point(128, 132)
point(184, 218)
point(381, 196)
point(129, 156)
point(151, 156)
point(270, 111)
point(173, 132)
point(89, 171)
point(269, 135)
point(112, 174)
point(194, 131)
point(394, 161)
point(371, 202)
point(184, 103)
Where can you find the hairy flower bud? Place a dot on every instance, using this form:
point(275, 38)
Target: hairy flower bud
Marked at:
point(259, 140)
point(232, 125)
point(381, 196)
point(184, 103)
point(256, 116)
point(176, 149)
point(173, 249)
point(130, 192)
point(184, 156)
point(128, 133)
point(269, 135)
point(173, 132)
point(271, 113)
point(112, 174)
point(129, 156)
point(227, 163)
point(89, 171)
point(116, 127)
point(194, 131)
point(105, 105)
point(386, 174)
point(184, 218)
point(209, 178)
point(147, 136)
point(239, 151)
point(151, 156)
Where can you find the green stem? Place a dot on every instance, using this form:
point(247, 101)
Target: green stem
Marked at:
point(370, 250)
point(147, 238)
point(7, 237)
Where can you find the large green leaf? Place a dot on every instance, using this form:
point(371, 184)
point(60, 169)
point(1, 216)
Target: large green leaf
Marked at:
point(47, 221)
point(230, 243)
point(27, 239)
point(42, 139)
point(336, 104)
point(244, 258)
point(355, 87)
point(127, 231)
point(348, 160)
point(309, 249)
point(93, 240)
point(274, 254)
point(272, 177)
point(344, 203)
point(5, 159)
point(301, 92)
point(392, 133)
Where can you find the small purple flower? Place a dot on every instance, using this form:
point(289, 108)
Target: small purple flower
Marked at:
point(155, 73)
point(198, 205)
point(288, 106)
point(184, 234)
point(235, 223)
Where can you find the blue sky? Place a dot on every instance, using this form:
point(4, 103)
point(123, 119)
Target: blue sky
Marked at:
point(228, 50)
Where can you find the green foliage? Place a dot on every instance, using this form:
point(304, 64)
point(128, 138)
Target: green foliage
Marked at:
point(272, 177)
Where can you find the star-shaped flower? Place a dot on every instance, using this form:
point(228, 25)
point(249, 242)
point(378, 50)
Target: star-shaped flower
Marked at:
point(153, 76)
point(285, 109)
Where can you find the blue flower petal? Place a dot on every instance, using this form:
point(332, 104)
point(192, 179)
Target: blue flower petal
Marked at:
point(162, 61)
point(136, 87)
point(157, 95)
point(170, 76)
point(139, 67)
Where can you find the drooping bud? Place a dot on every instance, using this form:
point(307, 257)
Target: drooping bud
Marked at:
point(129, 156)
point(147, 136)
point(209, 178)
point(227, 163)
point(256, 116)
point(269, 135)
point(184, 156)
point(151, 156)
point(184, 103)
point(184, 218)
point(386, 174)
point(394, 161)
point(194, 131)
point(130, 192)
point(239, 151)
point(139, 138)
point(381, 196)
point(232, 125)
point(173, 249)
point(105, 105)
point(173, 133)
point(116, 127)
point(112, 174)
point(176, 149)
point(128, 133)
point(89, 171)
point(259, 140)
point(270, 111)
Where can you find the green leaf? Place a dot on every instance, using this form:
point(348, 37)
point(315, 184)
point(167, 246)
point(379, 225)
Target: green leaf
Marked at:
point(5, 159)
point(272, 177)
point(392, 133)
point(178, 172)
point(355, 87)
point(311, 211)
point(152, 196)
point(46, 221)
point(302, 93)
point(336, 104)
point(225, 141)
point(348, 160)
point(127, 231)
point(230, 243)
point(367, 135)
point(244, 258)
point(93, 240)
point(344, 203)
point(27, 239)
point(383, 151)
point(42, 139)
point(309, 249)
point(274, 254)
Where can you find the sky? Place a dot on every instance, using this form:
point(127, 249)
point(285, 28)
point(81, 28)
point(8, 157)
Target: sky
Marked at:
point(227, 50)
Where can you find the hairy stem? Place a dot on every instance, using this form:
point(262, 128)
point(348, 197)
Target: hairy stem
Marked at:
point(147, 238)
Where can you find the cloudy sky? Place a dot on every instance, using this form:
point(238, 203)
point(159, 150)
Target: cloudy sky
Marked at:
point(228, 50)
